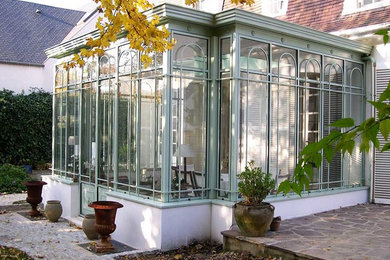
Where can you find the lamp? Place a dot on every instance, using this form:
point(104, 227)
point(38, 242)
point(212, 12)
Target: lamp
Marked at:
point(186, 152)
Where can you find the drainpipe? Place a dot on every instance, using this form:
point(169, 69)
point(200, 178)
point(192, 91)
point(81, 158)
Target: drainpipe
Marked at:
point(373, 94)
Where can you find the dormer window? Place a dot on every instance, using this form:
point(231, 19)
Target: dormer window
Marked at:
point(354, 6)
point(274, 7)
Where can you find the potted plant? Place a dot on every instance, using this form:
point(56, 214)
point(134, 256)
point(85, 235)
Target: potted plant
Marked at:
point(253, 216)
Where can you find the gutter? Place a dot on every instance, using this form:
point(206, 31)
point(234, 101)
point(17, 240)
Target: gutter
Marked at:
point(22, 63)
point(373, 112)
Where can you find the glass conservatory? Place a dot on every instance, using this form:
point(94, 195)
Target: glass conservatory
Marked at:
point(236, 87)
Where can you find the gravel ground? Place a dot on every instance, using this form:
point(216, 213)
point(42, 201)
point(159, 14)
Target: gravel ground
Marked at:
point(196, 251)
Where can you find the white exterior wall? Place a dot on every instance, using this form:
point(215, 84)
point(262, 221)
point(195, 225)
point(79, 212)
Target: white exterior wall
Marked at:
point(22, 77)
point(221, 219)
point(299, 207)
point(68, 194)
point(381, 54)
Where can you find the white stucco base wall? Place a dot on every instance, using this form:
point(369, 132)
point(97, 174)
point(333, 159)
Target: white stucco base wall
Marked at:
point(146, 227)
point(293, 208)
point(68, 194)
point(221, 219)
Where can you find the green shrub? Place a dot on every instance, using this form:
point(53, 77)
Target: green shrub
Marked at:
point(255, 184)
point(26, 127)
point(12, 178)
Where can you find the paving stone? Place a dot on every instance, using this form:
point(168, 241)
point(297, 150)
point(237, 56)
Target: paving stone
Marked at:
point(358, 232)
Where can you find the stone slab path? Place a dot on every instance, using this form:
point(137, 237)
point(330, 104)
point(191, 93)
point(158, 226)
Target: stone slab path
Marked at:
point(360, 232)
point(42, 239)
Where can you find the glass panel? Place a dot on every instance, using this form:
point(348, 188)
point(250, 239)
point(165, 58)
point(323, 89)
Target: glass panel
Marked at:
point(310, 67)
point(254, 120)
point(88, 131)
point(106, 123)
point(333, 70)
point(188, 148)
point(190, 52)
point(354, 74)
point(253, 55)
point(282, 131)
point(147, 134)
point(225, 54)
point(333, 108)
point(128, 62)
point(57, 131)
point(284, 64)
point(127, 129)
point(73, 134)
point(225, 129)
point(107, 65)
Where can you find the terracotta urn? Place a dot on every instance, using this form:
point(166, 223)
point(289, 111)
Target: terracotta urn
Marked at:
point(53, 210)
point(89, 227)
point(105, 212)
point(34, 192)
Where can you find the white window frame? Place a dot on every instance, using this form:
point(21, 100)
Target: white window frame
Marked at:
point(351, 6)
point(267, 7)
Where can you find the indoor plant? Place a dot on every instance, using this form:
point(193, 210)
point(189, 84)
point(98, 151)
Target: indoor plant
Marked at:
point(253, 216)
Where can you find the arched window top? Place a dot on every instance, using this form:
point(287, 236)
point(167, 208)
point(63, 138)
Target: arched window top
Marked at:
point(72, 77)
point(87, 71)
point(128, 62)
point(254, 56)
point(333, 71)
point(60, 77)
point(287, 65)
point(106, 65)
point(190, 52)
point(354, 74)
point(310, 69)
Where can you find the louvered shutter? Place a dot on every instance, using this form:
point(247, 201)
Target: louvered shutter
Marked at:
point(382, 160)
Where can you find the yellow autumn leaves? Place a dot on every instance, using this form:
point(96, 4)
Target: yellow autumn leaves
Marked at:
point(143, 33)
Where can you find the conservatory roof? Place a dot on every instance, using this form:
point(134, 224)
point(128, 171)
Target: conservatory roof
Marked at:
point(27, 29)
point(169, 12)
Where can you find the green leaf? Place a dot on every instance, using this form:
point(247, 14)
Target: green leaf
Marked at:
point(309, 170)
point(349, 145)
point(384, 127)
point(382, 32)
point(385, 94)
point(329, 153)
point(386, 147)
point(343, 122)
point(285, 187)
point(385, 39)
point(377, 104)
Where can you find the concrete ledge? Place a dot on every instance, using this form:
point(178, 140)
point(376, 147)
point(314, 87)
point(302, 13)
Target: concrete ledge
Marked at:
point(233, 241)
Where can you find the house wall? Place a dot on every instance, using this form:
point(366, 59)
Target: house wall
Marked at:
point(22, 77)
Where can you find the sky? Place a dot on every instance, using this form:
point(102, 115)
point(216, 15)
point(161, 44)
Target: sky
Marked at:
point(69, 4)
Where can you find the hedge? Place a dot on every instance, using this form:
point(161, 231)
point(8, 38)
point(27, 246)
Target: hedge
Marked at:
point(25, 127)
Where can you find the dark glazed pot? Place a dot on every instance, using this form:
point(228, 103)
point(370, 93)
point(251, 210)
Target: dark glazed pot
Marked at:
point(275, 225)
point(105, 212)
point(34, 192)
point(253, 221)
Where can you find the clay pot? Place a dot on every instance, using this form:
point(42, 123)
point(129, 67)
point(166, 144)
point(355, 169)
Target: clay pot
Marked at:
point(275, 224)
point(253, 221)
point(53, 210)
point(89, 227)
point(105, 212)
point(34, 192)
